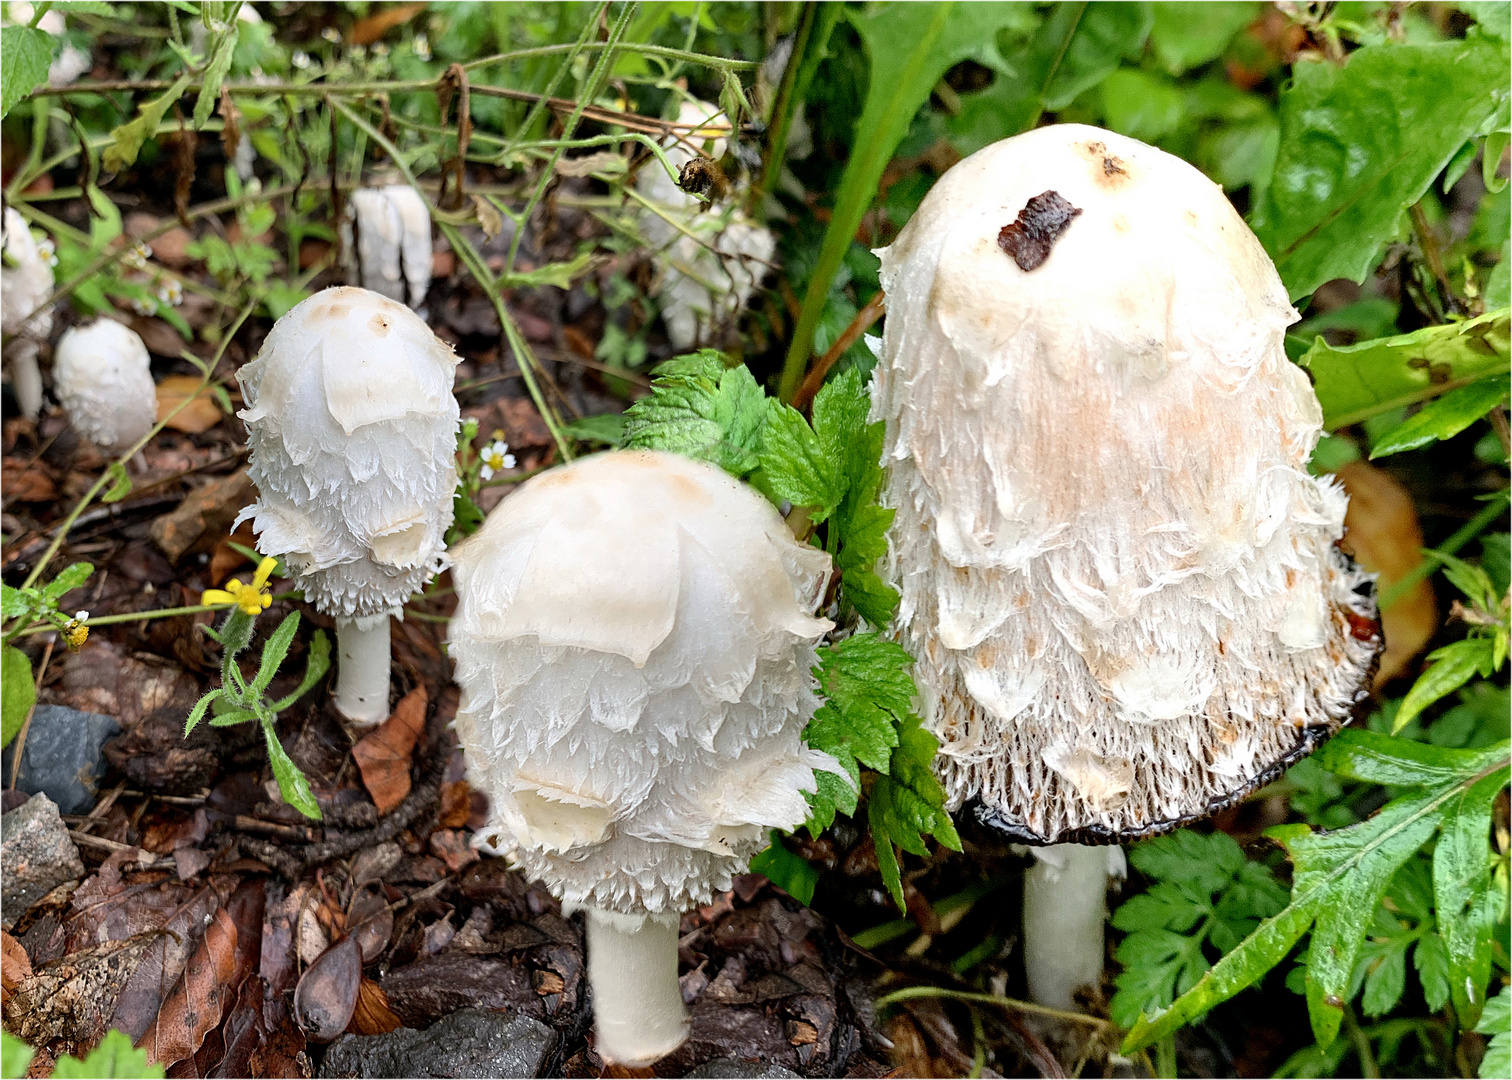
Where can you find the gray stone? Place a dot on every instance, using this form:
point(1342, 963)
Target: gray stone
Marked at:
point(63, 756)
point(469, 1042)
point(37, 854)
point(735, 1069)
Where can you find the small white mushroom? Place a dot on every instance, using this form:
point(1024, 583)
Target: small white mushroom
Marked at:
point(634, 638)
point(1120, 581)
point(353, 427)
point(103, 378)
point(393, 241)
point(700, 289)
point(26, 281)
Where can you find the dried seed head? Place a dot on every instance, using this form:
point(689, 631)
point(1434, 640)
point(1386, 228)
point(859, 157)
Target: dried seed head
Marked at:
point(1119, 579)
point(103, 378)
point(634, 638)
point(353, 427)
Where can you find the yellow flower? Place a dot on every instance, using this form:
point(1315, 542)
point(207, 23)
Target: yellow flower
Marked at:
point(75, 633)
point(253, 599)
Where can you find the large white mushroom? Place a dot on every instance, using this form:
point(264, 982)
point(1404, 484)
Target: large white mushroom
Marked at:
point(353, 428)
point(1120, 581)
point(26, 281)
point(102, 375)
point(634, 638)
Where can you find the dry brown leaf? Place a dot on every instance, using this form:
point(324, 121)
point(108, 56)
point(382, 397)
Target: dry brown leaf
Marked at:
point(1381, 531)
point(26, 481)
point(200, 415)
point(383, 756)
point(366, 31)
point(372, 1016)
point(452, 848)
point(456, 805)
point(200, 999)
point(15, 966)
point(70, 999)
point(204, 516)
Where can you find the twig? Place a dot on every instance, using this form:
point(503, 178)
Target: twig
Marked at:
point(858, 326)
point(99, 843)
point(910, 992)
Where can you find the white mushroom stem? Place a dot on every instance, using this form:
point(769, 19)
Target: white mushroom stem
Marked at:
point(26, 377)
point(638, 1012)
point(362, 675)
point(1065, 907)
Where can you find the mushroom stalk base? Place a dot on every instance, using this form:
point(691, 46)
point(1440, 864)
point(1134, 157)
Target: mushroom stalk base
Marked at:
point(638, 1014)
point(362, 672)
point(1065, 908)
point(26, 378)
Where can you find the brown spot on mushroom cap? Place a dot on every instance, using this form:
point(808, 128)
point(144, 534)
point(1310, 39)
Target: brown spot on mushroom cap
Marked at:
point(380, 325)
point(1043, 220)
point(1110, 170)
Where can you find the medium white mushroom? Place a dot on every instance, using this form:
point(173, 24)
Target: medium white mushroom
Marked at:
point(1120, 581)
point(26, 281)
point(634, 638)
point(103, 378)
point(393, 241)
point(353, 427)
point(705, 277)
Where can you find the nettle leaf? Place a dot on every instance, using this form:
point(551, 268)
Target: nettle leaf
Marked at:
point(790, 872)
point(1356, 382)
point(1445, 417)
point(1362, 142)
point(701, 408)
point(1495, 1022)
point(796, 466)
point(1453, 666)
point(1340, 878)
point(17, 691)
point(25, 54)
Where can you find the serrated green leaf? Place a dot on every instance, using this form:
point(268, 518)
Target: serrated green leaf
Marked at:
point(201, 706)
point(1356, 382)
point(128, 138)
point(68, 579)
point(12, 602)
point(1445, 417)
point(790, 872)
point(18, 692)
point(1431, 960)
point(701, 409)
point(881, 833)
point(796, 466)
point(25, 55)
point(1453, 666)
point(292, 784)
point(1468, 903)
point(120, 484)
point(605, 428)
point(1496, 1022)
point(1361, 142)
point(874, 599)
point(113, 1057)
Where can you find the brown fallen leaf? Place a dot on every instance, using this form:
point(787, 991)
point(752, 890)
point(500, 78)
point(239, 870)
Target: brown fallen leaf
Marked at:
point(1381, 531)
point(71, 998)
point(326, 996)
point(456, 805)
point(205, 515)
point(383, 756)
point(368, 30)
point(225, 560)
point(452, 848)
point(15, 966)
point(201, 414)
point(26, 481)
point(372, 1016)
point(200, 1000)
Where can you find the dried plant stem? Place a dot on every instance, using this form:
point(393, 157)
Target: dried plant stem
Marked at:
point(993, 999)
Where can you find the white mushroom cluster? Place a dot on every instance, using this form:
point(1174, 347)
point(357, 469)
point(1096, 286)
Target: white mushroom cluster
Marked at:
point(352, 426)
point(26, 281)
point(1120, 581)
point(634, 640)
point(392, 243)
point(102, 375)
point(704, 282)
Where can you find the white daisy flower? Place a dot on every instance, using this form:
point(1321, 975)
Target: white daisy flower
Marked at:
point(48, 252)
point(496, 457)
point(422, 46)
point(171, 292)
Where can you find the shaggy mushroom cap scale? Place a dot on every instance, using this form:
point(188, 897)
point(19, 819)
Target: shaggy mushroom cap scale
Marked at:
point(634, 639)
point(103, 377)
point(1119, 578)
point(352, 425)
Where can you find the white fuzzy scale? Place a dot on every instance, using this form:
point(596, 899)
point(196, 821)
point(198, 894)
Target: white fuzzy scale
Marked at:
point(1118, 577)
point(352, 425)
point(102, 374)
point(634, 639)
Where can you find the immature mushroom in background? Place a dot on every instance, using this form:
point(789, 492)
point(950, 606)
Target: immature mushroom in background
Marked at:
point(26, 281)
point(353, 427)
point(634, 640)
point(393, 241)
point(103, 378)
point(1117, 575)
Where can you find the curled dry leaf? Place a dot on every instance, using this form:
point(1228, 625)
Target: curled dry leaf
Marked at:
point(1383, 534)
point(383, 755)
point(205, 516)
point(372, 1016)
point(196, 1006)
point(15, 966)
point(371, 922)
point(326, 995)
point(200, 415)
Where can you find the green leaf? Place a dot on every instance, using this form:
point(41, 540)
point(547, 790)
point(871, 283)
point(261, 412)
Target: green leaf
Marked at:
point(1355, 382)
point(605, 428)
point(1468, 903)
point(1445, 417)
point(790, 872)
point(18, 692)
point(910, 47)
point(122, 153)
point(222, 48)
point(68, 579)
point(25, 55)
point(1140, 104)
point(1492, 15)
point(1362, 142)
point(235, 634)
point(113, 1057)
point(15, 1055)
point(1491, 155)
point(467, 517)
point(1495, 1022)
point(197, 713)
point(1431, 959)
point(317, 663)
point(12, 602)
point(796, 465)
point(120, 484)
point(559, 274)
point(1454, 665)
point(274, 651)
point(292, 784)
point(703, 409)
point(1341, 876)
point(1182, 39)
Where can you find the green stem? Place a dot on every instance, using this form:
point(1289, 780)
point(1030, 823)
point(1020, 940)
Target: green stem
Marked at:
point(911, 992)
point(1467, 532)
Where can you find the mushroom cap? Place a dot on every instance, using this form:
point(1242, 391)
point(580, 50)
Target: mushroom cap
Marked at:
point(634, 639)
point(1119, 579)
point(26, 280)
point(352, 427)
point(103, 377)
